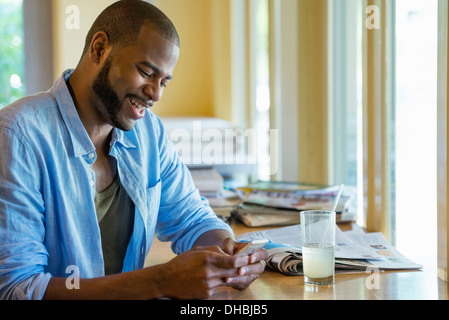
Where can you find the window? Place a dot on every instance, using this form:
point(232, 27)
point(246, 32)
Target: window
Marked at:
point(416, 134)
point(12, 56)
point(345, 97)
point(412, 73)
point(261, 108)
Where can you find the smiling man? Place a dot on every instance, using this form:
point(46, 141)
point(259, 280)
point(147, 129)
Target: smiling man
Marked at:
point(88, 177)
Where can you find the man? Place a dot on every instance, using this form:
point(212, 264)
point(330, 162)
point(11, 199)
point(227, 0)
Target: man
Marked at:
point(88, 176)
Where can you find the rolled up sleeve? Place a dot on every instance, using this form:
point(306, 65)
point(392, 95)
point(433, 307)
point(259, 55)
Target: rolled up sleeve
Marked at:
point(22, 231)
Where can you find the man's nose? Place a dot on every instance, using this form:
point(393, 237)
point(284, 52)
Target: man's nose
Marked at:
point(153, 91)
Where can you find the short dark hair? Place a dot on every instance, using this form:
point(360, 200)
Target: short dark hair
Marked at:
point(123, 20)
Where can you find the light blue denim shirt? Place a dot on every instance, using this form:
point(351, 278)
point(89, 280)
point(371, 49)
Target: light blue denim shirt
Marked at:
point(47, 187)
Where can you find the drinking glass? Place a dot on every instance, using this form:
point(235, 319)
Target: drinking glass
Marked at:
point(318, 246)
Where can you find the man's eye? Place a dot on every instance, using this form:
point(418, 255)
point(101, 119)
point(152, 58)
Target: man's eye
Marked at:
point(143, 73)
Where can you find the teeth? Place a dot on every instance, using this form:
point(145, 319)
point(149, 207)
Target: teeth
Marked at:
point(137, 104)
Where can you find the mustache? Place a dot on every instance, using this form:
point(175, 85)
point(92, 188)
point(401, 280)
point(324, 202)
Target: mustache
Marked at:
point(142, 100)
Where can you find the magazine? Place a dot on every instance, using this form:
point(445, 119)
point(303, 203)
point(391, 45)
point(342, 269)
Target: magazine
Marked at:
point(297, 200)
point(269, 207)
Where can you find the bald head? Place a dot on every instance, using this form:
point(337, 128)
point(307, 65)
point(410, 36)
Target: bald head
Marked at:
point(123, 20)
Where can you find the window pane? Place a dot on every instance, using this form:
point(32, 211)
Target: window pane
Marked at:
point(12, 57)
point(262, 104)
point(345, 49)
point(416, 75)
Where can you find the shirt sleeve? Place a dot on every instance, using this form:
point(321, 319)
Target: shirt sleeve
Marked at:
point(183, 215)
point(22, 232)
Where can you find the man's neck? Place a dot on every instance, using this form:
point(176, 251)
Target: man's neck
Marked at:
point(98, 130)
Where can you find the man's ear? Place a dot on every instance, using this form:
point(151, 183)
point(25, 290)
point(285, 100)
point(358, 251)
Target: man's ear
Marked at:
point(98, 46)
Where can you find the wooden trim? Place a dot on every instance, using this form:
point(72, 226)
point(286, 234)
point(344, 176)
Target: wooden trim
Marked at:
point(38, 24)
point(442, 146)
point(377, 104)
point(313, 91)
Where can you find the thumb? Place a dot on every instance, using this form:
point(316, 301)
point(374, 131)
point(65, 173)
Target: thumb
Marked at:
point(228, 246)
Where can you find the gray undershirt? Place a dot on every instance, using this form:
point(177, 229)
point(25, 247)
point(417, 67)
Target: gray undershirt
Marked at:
point(115, 214)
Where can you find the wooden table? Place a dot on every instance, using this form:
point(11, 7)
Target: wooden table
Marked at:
point(392, 285)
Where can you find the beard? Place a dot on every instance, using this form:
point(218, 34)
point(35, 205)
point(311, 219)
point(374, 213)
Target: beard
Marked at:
point(107, 95)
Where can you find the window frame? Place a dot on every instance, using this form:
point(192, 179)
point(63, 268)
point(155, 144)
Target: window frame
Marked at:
point(443, 142)
point(38, 34)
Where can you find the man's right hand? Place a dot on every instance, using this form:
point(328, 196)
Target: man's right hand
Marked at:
point(197, 273)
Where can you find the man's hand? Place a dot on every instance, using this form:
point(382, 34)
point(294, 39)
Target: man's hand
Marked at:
point(197, 273)
point(250, 272)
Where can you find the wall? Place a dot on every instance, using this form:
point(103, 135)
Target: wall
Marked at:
point(190, 92)
point(69, 37)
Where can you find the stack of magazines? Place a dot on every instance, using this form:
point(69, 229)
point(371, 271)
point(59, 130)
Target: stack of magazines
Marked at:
point(280, 204)
point(355, 251)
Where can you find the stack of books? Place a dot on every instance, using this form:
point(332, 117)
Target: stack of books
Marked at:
point(208, 181)
point(210, 184)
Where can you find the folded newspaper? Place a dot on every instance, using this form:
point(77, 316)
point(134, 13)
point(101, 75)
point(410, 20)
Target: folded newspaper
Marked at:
point(355, 251)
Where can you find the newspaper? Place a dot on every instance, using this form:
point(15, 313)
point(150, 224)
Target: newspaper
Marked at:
point(354, 251)
point(298, 200)
point(271, 207)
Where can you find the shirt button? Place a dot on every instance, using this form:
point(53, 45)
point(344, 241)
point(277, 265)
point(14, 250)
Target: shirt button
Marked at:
point(92, 183)
point(91, 155)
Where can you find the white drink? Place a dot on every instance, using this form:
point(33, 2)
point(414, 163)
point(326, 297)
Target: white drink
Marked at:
point(318, 261)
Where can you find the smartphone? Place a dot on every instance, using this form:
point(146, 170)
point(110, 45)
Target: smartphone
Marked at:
point(252, 247)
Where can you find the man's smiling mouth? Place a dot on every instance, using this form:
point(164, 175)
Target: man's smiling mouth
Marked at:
point(139, 104)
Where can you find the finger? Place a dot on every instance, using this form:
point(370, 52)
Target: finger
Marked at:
point(255, 268)
point(222, 265)
point(241, 282)
point(220, 273)
point(215, 282)
point(246, 275)
point(210, 286)
point(261, 254)
point(230, 262)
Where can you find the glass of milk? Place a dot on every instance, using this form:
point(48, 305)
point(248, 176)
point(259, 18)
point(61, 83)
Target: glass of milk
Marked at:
point(318, 247)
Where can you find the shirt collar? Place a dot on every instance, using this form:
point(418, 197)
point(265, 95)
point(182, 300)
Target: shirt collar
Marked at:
point(82, 145)
point(127, 139)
